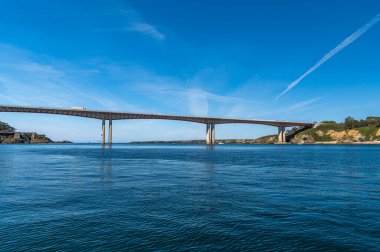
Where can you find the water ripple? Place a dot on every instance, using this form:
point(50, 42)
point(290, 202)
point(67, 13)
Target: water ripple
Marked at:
point(189, 197)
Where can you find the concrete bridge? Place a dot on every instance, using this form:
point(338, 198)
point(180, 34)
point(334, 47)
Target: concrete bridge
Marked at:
point(210, 122)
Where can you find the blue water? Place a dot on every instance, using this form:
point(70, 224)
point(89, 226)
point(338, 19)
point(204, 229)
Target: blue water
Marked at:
point(189, 197)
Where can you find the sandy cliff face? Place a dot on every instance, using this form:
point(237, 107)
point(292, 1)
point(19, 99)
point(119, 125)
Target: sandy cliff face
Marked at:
point(350, 135)
point(344, 136)
point(337, 135)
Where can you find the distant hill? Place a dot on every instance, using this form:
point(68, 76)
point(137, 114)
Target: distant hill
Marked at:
point(349, 131)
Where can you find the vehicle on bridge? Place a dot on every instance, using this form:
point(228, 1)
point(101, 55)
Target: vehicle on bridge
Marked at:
point(78, 108)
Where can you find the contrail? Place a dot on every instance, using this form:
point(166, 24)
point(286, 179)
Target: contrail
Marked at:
point(354, 36)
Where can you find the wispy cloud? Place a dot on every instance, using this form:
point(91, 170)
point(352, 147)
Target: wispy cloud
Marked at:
point(130, 20)
point(146, 29)
point(270, 111)
point(25, 80)
point(354, 36)
point(191, 99)
point(198, 102)
point(136, 23)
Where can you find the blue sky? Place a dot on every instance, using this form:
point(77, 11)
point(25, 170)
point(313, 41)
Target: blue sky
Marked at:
point(207, 58)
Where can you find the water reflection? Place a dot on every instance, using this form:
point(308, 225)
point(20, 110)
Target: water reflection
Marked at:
point(106, 167)
point(109, 146)
point(210, 146)
point(210, 157)
point(209, 167)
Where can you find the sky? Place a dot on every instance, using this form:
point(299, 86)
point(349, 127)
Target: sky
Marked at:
point(264, 59)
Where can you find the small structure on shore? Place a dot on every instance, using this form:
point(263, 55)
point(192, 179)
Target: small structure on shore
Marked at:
point(22, 137)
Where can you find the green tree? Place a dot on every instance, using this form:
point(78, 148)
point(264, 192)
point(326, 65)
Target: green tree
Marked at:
point(372, 120)
point(350, 123)
point(6, 127)
point(332, 122)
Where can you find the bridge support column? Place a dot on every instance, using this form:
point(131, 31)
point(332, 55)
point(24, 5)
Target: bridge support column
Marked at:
point(281, 134)
point(208, 134)
point(32, 138)
point(110, 133)
point(212, 133)
point(103, 132)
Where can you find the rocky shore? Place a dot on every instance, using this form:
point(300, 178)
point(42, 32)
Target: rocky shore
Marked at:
point(26, 138)
point(9, 135)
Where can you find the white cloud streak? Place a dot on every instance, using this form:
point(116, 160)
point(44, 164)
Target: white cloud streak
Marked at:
point(146, 29)
point(24, 80)
point(136, 23)
point(132, 21)
point(354, 36)
point(193, 100)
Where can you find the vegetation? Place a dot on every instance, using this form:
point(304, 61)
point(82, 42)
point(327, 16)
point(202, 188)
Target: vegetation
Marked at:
point(350, 122)
point(6, 127)
point(351, 130)
point(328, 122)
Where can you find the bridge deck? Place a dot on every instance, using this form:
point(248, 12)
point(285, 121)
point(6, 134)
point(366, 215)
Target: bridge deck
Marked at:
point(109, 115)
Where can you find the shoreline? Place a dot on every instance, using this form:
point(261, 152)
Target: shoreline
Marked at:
point(242, 143)
point(174, 142)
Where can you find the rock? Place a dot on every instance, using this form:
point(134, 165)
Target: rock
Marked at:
point(359, 138)
point(353, 133)
point(63, 142)
point(271, 139)
point(337, 135)
point(378, 132)
point(11, 141)
point(302, 139)
point(320, 133)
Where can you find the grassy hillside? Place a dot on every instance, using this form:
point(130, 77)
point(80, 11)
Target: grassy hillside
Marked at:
point(349, 131)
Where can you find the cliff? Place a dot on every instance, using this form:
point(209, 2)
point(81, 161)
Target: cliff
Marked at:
point(349, 131)
point(336, 133)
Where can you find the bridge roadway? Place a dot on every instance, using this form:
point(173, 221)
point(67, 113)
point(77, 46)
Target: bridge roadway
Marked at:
point(110, 116)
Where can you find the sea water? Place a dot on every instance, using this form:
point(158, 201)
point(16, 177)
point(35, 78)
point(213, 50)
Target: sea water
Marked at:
point(189, 197)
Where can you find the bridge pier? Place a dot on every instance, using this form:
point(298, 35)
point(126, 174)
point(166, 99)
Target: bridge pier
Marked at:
point(281, 134)
point(110, 132)
point(210, 133)
point(103, 132)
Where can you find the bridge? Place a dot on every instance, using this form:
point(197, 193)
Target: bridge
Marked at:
point(109, 116)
